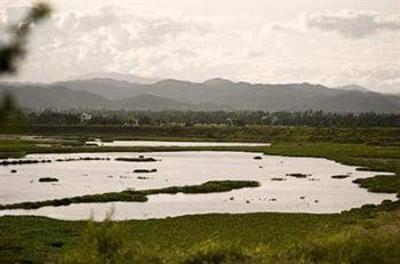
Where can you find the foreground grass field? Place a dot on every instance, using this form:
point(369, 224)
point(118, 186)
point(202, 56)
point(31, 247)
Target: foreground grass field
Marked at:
point(366, 235)
point(246, 238)
point(38, 239)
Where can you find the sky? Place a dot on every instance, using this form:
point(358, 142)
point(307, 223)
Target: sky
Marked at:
point(330, 42)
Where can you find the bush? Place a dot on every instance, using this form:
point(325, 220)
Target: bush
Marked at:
point(107, 242)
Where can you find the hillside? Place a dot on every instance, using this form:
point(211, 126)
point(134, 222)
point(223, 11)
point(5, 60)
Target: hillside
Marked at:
point(214, 94)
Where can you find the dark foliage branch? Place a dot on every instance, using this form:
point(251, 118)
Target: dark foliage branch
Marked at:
point(12, 53)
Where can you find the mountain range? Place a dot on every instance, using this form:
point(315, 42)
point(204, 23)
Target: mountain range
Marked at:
point(118, 92)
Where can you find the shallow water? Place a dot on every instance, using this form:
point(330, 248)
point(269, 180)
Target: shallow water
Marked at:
point(140, 143)
point(320, 193)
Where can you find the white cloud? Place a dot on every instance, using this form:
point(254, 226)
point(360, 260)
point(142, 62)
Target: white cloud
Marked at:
point(170, 43)
point(376, 76)
point(351, 24)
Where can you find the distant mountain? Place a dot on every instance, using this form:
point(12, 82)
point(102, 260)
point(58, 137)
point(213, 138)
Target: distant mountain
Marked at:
point(156, 103)
point(53, 97)
point(118, 77)
point(214, 94)
point(108, 88)
point(353, 87)
point(354, 101)
point(217, 81)
point(150, 102)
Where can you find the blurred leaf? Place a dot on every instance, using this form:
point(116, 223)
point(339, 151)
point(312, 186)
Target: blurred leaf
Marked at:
point(13, 52)
point(10, 56)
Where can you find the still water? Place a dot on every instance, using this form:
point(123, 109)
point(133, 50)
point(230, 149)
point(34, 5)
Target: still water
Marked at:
point(317, 193)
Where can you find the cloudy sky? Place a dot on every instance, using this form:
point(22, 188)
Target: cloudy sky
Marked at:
point(332, 42)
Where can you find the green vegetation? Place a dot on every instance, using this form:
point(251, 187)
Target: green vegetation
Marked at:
point(250, 133)
point(237, 118)
point(134, 196)
point(144, 171)
point(207, 187)
point(297, 175)
point(139, 159)
point(22, 162)
point(47, 179)
point(277, 179)
point(340, 176)
point(381, 183)
point(218, 238)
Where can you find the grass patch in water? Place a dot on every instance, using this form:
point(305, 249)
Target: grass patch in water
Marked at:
point(22, 162)
point(380, 183)
point(48, 179)
point(297, 175)
point(144, 171)
point(207, 187)
point(136, 196)
point(139, 159)
point(340, 176)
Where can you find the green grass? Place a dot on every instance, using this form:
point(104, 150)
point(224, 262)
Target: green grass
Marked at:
point(218, 238)
point(251, 133)
point(140, 159)
point(135, 196)
point(31, 238)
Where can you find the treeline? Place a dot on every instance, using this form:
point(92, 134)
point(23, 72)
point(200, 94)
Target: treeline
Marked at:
point(191, 118)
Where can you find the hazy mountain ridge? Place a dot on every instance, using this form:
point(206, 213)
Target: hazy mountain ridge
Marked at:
point(118, 77)
point(214, 94)
point(353, 87)
point(53, 97)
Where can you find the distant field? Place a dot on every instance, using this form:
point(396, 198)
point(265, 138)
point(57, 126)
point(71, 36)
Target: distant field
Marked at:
point(380, 136)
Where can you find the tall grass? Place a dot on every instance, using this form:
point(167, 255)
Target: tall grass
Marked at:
point(376, 241)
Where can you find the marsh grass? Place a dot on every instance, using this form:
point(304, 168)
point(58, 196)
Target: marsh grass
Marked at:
point(136, 196)
point(48, 179)
point(22, 162)
point(144, 171)
point(108, 242)
point(376, 240)
point(340, 176)
point(11, 155)
point(139, 159)
point(249, 133)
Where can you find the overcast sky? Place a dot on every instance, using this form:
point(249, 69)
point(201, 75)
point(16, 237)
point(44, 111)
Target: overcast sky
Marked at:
point(331, 42)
